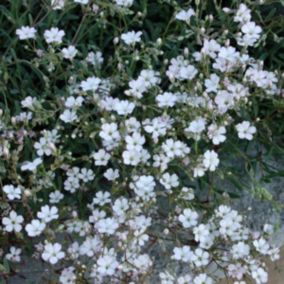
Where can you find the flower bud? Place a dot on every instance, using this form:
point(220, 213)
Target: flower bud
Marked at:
point(116, 40)
point(27, 192)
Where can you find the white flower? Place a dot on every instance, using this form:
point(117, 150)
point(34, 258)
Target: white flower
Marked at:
point(228, 59)
point(268, 228)
point(183, 254)
point(202, 279)
point(26, 32)
point(210, 48)
point(199, 170)
point(169, 181)
point(158, 126)
point(240, 250)
point(44, 146)
point(142, 261)
point(95, 58)
point(55, 197)
point(68, 276)
point(140, 223)
point(200, 257)
point(86, 175)
point(31, 166)
point(252, 30)
point(201, 233)
point(13, 222)
point(184, 15)
point(166, 278)
point(72, 102)
point(251, 33)
point(47, 214)
point(175, 148)
point(167, 99)
point(137, 88)
point(228, 53)
point(84, 2)
point(245, 130)
point(131, 37)
point(262, 246)
point(230, 224)
point(57, 4)
point(216, 134)
point(24, 116)
point(96, 215)
point(237, 271)
point(224, 100)
point(223, 211)
point(274, 253)
point(107, 265)
point(90, 84)
point(102, 198)
point(52, 253)
point(28, 102)
point(144, 186)
point(263, 79)
point(14, 254)
point(135, 141)
point(243, 14)
point(188, 218)
point(187, 72)
point(124, 3)
point(238, 90)
point(109, 132)
point(187, 193)
point(124, 107)
point(12, 191)
point(185, 279)
point(210, 160)
point(68, 116)
point(212, 84)
point(69, 52)
point(54, 35)
point(107, 226)
point(101, 157)
point(71, 184)
point(120, 206)
point(259, 275)
point(90, 246)
point(196, 126)
point(111, 174)
point(35, 228)
point(150, 77)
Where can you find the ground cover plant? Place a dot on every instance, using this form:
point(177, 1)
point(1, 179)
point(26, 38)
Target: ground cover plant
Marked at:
point(121, 125)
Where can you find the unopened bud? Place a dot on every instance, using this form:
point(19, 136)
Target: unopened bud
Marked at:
point(159, 41)
point(27, 193)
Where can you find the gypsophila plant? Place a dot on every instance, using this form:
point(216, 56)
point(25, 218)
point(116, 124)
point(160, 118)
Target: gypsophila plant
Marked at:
point(121, 121)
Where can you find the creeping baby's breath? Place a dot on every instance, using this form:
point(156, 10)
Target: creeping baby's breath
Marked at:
point(122, 123)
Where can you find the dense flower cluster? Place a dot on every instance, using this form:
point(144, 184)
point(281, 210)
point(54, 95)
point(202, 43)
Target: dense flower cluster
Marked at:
point(99, 168)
